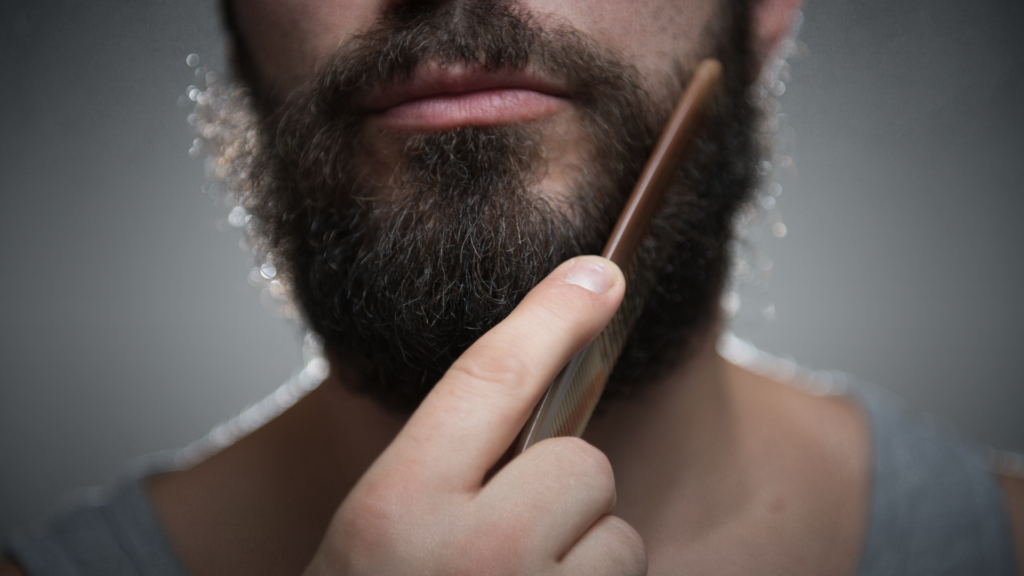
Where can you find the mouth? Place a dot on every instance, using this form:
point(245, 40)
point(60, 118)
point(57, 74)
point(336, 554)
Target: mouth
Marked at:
point(436, 98)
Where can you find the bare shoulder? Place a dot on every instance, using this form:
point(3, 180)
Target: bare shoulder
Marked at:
point(1013, 491)
point(816, 450)
point(8, 568)
point(828, 429)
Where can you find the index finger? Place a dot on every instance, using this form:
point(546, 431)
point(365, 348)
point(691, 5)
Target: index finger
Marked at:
point(475, 411)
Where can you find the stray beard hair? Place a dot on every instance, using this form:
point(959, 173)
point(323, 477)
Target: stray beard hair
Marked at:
point(400, 273)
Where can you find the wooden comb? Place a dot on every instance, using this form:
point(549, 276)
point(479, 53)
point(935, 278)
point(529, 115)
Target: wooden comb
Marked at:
point(569, 402)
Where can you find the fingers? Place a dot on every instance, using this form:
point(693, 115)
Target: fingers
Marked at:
point(475, 412)
point(559, 488)
point(610, 546)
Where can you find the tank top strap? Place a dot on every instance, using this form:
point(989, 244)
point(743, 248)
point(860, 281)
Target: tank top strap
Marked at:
point(936, 508)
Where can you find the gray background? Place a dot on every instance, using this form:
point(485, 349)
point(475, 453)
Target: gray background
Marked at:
point(128, 326)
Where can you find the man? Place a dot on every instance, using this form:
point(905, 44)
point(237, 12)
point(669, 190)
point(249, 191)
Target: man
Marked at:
point(417, 169)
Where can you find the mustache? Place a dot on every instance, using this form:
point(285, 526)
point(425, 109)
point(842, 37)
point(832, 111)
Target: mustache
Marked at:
point(494, 35)
point(317, 132)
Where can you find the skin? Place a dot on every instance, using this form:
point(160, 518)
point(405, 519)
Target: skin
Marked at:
point(288, 39)
point(661, 484)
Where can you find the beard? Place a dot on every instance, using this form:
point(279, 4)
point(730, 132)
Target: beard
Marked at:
point(400, 266)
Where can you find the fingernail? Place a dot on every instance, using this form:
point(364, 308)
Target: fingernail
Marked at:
point(590, 274)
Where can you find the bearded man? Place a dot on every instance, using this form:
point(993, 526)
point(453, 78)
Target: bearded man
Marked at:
point(429, 177)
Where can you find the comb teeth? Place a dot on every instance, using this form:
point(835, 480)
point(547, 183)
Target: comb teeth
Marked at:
point(595, 367)
point(589, 371)
point(569, 402)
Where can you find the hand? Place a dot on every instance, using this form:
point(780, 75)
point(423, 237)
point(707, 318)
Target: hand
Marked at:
point(424, 508)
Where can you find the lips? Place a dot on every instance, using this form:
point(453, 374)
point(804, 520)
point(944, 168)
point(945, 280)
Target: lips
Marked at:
point(437, 98)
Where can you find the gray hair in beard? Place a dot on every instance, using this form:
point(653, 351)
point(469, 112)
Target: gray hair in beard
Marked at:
point(400, 276)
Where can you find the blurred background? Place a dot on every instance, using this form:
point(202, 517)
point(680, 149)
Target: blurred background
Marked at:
point(129, 326)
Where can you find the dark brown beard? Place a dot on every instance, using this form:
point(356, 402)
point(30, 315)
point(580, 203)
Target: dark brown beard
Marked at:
point(400, 275)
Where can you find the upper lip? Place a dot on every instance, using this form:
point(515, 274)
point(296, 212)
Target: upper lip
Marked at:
point(432, 80)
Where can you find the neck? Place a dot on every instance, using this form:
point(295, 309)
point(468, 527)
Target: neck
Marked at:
point(282, 483)
point(672, 441)
point(708, 456)
point(262, 505)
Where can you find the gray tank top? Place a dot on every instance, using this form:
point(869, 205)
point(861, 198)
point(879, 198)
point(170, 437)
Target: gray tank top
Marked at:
point(935, 510)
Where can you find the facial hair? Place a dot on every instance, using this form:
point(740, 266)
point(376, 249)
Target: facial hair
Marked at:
point(400, 273)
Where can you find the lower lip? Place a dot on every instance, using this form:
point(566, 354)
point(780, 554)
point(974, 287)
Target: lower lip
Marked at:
point(481, 108)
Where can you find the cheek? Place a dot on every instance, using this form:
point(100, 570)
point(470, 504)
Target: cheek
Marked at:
point(651, 34)
point(288, 38)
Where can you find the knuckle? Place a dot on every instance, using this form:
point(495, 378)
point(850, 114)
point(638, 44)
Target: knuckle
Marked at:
point(375, 516)
point(486, 556)
point(631, 553)
point(502, 368)
point(490, 547)
point(586, 458)
point(583, 463)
